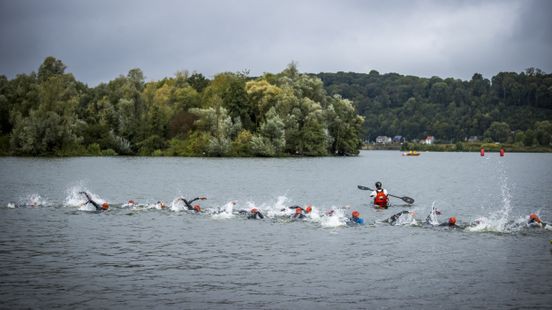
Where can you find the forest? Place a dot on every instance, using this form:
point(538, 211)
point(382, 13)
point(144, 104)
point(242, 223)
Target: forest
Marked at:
point(509, 108)
point(50, 113)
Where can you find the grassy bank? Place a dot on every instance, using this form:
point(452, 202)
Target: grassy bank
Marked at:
point(460, 147)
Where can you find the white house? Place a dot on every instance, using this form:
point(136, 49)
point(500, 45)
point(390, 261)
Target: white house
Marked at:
point(428, 140)
point(383, 140)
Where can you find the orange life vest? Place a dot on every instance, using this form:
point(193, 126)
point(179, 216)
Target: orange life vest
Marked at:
point(380, 199)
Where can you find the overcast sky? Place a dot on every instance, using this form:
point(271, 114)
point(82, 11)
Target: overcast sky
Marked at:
point(99, 40)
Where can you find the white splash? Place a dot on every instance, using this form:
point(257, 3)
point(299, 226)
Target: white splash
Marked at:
point(75, 198)
point(226, 212)
point(35, 200)
point(432, 218)
point(333, 218)
point(497, 221)
point(160, 205)
point(177, 205)
point(407, 219)
point(278, 209)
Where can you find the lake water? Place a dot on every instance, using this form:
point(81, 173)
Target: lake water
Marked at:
point(55, 253)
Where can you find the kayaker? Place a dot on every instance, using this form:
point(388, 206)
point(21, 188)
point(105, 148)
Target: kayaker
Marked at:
point(355, 218)
point(381, 197)
point(188, 204)
point(104, 206)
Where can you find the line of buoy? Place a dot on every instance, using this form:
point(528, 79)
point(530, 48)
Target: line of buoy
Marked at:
point(482, 152)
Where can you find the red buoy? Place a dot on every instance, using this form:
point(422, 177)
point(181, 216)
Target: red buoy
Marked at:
point(482, 152)
point(501, 151)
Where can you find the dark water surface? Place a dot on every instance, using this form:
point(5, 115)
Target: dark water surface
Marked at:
point(58, 255)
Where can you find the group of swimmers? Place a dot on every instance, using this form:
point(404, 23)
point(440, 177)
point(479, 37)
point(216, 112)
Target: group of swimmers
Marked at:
point(380, 201)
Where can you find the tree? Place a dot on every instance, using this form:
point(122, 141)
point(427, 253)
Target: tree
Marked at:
point(344, 127)
point(218, 124)
point(272, 130)
point(498, 132)
point(198, 82)
point(49, 68)
point(543, 132)
point(51, 127)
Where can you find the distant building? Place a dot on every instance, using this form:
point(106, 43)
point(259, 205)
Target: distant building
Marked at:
point(383, 140)
point(428, 140)
point(473, 139)
point(398, 139)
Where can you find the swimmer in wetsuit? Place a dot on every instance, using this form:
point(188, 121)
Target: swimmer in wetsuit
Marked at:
point(103, 207)
point(253, 214)
point(298, 213)
point(450, 223)
point(393, 219)
point(188, 204)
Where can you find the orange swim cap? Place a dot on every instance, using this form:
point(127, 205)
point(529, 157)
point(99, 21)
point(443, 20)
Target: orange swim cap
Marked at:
point(254, 210)
point(355, 214)
point(452, 220)
point(309, 209)
point(298, 210)
point(105, 206)
point(535, 218)
point(131, 202)
point(197, 208)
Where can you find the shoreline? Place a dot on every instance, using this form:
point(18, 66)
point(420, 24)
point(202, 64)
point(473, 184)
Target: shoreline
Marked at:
point(458, 147)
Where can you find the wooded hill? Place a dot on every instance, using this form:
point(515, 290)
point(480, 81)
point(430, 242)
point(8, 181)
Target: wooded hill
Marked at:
point(278, 114)
point(510, 107)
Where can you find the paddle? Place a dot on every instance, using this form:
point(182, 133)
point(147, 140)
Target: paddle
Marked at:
point(405, 199)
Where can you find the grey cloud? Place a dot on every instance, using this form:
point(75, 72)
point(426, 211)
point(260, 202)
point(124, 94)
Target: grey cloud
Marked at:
point(99, 40)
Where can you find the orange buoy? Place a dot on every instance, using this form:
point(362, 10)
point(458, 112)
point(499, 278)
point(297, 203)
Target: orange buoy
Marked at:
point(482, 152)
point(501, 152)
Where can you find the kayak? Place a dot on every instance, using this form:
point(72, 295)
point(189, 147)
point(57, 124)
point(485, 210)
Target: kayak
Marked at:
point(411, 153)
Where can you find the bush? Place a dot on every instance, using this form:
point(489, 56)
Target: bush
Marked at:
point(109, 152)
point(94, 149)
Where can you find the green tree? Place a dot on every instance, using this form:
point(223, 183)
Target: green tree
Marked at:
point(344, 127)
point(198, 82)
point(543, 132)
point(498, 132)
point(51, 126)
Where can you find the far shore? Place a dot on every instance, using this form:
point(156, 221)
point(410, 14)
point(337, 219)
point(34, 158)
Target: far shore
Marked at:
point(459, 147)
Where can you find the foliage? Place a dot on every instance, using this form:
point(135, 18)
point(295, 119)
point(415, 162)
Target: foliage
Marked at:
point(277, 114)
point(452, 110)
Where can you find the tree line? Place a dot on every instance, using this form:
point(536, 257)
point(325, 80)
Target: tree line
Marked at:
point(285, 114)
point(509, 108)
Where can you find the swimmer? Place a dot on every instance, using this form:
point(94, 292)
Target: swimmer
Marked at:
point(103, 207)
point(188, 204)
point(450, 223)
point(394, 218)
point(355, 218)
point(535, 221)
point(253, 214)
point(298, 214)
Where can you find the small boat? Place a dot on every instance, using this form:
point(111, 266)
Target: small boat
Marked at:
point(411, 153)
